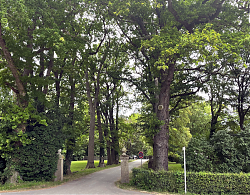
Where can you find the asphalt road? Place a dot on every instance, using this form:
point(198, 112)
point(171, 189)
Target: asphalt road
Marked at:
point(101, 182)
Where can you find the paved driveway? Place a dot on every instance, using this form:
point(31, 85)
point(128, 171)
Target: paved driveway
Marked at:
point(101, 182)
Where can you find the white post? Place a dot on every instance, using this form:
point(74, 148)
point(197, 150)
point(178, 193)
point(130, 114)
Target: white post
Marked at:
point(185, 176)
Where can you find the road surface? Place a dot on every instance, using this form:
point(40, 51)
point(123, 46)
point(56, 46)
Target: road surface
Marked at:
point(101, 182)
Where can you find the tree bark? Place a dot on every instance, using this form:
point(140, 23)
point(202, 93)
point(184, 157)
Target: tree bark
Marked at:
point(69, 157)
point(21, 92)
point(112, 131)
point(160, 146)
point(106, 134)
point(71, 141)
point(116, 130)
point(114, 135)
point(91, 145)
point(215, 114)
point(99, 123)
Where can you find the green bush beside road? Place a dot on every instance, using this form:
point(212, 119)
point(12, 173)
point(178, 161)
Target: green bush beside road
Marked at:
point(197, 182)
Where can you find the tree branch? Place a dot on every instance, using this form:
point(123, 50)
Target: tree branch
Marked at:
point(12, 88)
point(137, 85)
point(177, 17)
point(43, 49)
point(185, 94)
point(11, 66)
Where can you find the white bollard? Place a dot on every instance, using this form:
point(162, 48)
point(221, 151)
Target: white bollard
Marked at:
point(185, 176)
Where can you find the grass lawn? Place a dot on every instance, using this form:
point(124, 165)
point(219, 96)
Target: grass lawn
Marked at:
point(173, 166)
point(81, 164)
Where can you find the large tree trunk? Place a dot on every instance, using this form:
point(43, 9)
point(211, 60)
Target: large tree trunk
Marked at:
point(241, 112)
point(112, 131)
point(91, 151)
point(91, 145)
point(20, 91)
point(109, 153)
point(242, 118)
point(106, 134)
point(114, 136)
point(215, 115)
point(71, 141)
point(160, 146)
point(116, 131)
point(99, 123)
point(69, 156)
point(214, 120)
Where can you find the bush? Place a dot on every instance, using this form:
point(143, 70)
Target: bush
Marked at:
point(224, 153)
point(197, 182)
point(38, 160)
point(199, 155)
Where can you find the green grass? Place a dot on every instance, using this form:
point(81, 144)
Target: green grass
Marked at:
point(78, 171)
point(81, 164)
point(172, 166)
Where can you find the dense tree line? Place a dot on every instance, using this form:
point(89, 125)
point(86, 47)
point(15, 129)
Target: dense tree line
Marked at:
point(70, 60)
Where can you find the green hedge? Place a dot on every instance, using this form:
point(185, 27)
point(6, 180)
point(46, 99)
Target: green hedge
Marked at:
point(197, 182)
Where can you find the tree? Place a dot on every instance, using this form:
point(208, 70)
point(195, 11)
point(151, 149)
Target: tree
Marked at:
point(217, 92)
point(165, 37)
point(240, 82)
point(32, 46)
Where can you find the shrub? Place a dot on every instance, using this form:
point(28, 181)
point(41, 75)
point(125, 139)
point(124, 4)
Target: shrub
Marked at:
point(38, 160)
point(197, 182)
point(199, 155)
point(224, 153)
point(153, 180)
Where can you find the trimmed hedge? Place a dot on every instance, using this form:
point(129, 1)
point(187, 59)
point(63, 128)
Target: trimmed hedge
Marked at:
point(197, 182)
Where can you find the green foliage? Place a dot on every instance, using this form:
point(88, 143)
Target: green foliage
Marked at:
point(130, 135)
point(149, 124)
point(204, 40)
point(200, 118)
point(11, 117)
point(15, 116)
point(225, 153)
point(199, 155)
point(197, 182)
point(179, 133)
point(38, 160)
